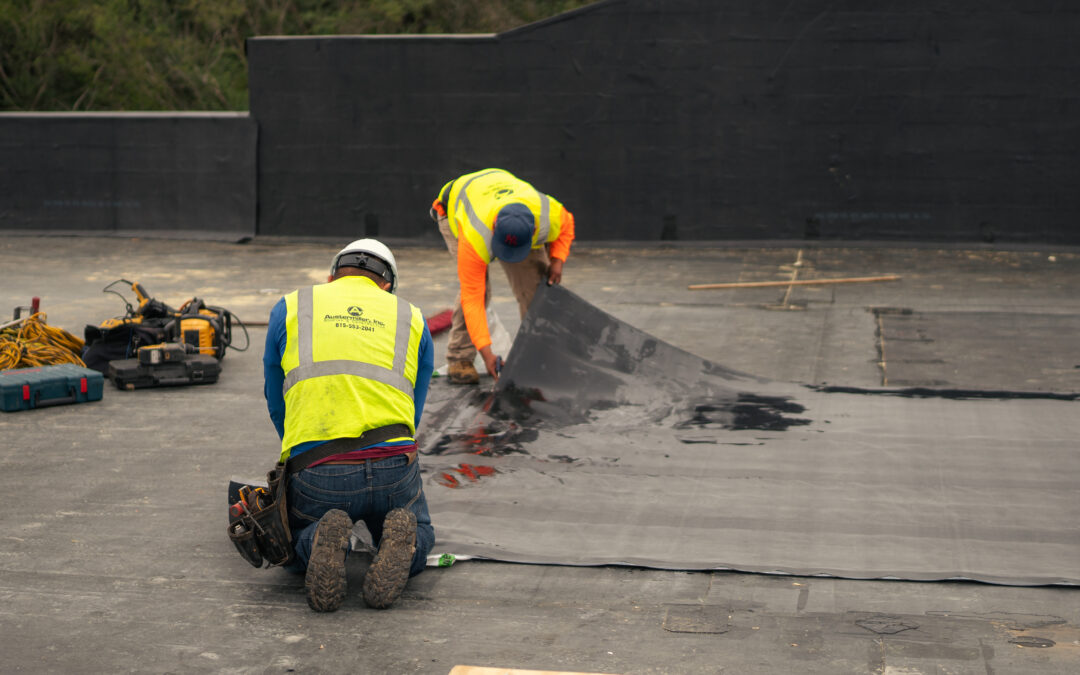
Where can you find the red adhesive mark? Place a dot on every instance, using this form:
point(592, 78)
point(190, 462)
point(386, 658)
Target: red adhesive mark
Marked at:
point(466, 470)
point(476, 438)
point(471, 471)
point(474, 471)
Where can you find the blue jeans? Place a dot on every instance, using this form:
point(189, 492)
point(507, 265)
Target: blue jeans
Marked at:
point(366, 492)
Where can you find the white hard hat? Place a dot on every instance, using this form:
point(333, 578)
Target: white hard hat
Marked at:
point(371, 255)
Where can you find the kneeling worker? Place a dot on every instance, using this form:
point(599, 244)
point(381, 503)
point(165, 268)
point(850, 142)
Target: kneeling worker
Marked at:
point(488, 215)
point(346, 367)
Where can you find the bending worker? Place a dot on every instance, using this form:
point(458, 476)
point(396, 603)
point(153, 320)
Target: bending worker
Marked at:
point(347, 366)
point(492, 214)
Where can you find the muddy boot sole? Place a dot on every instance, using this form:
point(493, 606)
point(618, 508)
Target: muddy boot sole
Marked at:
point(389, 571)
point(325, 580)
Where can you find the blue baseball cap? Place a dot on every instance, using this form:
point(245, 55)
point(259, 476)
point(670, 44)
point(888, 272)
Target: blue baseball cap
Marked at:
point(511, 240)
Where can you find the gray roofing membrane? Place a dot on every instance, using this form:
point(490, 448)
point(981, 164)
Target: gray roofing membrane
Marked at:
point(602, 444)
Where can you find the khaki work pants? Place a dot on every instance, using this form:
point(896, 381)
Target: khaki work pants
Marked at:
point(524, 278)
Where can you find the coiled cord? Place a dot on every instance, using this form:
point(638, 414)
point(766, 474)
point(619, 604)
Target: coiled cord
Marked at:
point(34, 343)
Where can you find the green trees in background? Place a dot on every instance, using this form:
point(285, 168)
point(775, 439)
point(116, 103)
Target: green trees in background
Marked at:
point(189, 54)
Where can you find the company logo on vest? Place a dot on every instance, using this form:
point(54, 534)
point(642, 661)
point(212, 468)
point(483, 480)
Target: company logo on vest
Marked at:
point(354, 318)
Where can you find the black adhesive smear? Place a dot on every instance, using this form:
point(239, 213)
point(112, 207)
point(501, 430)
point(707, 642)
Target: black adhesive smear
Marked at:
point(490, 439)
point(747, 411)
point(955, 394)
point(1032, 641)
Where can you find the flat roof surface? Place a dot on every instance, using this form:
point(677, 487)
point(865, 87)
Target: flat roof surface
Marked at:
point(115, 556)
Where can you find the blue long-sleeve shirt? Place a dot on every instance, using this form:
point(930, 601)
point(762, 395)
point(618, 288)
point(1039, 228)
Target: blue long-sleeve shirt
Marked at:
point(274, 377)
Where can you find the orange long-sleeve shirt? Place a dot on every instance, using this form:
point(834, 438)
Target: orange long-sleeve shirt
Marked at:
point(472, 275)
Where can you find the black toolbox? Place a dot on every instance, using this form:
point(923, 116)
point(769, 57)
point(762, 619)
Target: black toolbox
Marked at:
point(193, 369)
point(26, 388)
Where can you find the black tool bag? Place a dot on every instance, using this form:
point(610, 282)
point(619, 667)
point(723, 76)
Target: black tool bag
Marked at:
point(263, 536)
point(104, 344)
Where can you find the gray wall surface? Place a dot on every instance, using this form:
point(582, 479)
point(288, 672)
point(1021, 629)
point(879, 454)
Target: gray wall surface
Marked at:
point(939, 120)
point(128, 173)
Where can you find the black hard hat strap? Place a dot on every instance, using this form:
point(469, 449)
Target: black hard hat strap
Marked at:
point(365, 262)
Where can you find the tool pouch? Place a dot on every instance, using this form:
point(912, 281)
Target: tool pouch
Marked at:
point(243, 538)
point(263, 536)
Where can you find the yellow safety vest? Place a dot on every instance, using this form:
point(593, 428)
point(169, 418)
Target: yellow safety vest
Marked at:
point(350, 361)
point(473, 200)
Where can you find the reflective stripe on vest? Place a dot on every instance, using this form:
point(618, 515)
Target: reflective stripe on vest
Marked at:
point(479, 226)
point(544, 224)
point(308, 368)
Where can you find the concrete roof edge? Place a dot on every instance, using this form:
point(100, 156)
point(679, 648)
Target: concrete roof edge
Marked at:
point(568, 15)
point(377, 36)
point(227, 114)
point(176, 235)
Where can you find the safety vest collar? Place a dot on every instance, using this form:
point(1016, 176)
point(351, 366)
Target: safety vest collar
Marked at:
point(308, 368)
point(484, 230)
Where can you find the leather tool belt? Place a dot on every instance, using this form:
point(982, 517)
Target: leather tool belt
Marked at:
point(261, 531)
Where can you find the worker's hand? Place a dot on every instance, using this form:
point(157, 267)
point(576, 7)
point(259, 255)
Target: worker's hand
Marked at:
point(554, 272)
point(489, 361)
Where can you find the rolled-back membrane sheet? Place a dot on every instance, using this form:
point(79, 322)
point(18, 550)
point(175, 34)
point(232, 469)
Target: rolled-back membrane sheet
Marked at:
point(604, 445)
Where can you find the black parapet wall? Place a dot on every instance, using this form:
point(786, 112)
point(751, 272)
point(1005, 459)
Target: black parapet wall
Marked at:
point(929, 120)
point(128, 173)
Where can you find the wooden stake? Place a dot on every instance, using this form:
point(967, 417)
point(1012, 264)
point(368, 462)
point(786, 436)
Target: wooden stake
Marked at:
point(485, 670)
point(805, 282)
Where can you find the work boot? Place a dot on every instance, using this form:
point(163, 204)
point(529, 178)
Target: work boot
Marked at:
point(463, 372)
point(389, 571)
point(325, 579)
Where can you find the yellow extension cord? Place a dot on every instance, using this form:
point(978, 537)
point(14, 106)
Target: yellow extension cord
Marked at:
point(33, 343)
